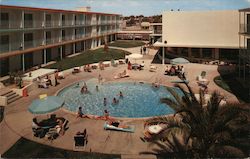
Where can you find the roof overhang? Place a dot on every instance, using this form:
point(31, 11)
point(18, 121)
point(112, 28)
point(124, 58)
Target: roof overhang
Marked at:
point(160, 44)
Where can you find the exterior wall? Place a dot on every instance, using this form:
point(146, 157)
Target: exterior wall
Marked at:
point(15, 63)
point(38, 57)
point(55, 54)
point(208, 29)
point(77, 25)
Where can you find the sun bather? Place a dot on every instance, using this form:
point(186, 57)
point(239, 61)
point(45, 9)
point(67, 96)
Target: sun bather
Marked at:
point(121, 75)
point(117, 124)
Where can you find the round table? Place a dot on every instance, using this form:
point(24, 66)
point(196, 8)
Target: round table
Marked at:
point(154, 129)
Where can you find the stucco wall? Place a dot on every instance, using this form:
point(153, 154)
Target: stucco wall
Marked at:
point(212, 29)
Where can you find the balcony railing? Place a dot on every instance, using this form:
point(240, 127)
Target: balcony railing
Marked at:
point(157, 32)
point(10, 24)
point(245, 28)
point(28, 23)
point(79, 36)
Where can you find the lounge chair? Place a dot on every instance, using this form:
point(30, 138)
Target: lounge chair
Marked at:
point(130, 128)
point(120, 75)
point(61, 75)
point(152, 68)
point(76, 70)
point(113, 63)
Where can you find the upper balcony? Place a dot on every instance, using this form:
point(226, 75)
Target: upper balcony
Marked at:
point(245, 29)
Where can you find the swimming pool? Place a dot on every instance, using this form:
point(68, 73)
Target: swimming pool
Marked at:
point(139, 99)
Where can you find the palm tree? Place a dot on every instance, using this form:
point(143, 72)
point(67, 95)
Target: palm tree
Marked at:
point(204, 129)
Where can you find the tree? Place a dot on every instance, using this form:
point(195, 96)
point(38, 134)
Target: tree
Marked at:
point(204, 130)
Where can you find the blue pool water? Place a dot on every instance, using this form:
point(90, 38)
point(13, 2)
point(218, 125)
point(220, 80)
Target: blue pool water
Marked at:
point(140, 100)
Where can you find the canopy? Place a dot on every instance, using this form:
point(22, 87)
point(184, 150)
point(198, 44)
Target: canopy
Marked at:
point(179, 61)
point(45, 105)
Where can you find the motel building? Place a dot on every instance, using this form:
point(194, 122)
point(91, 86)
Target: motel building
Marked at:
point(36, 36)
point(201, 36)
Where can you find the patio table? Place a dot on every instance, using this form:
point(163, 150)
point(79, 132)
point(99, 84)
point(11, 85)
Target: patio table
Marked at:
point(154, 129)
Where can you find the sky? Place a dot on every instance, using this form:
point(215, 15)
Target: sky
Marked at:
point(134, 7)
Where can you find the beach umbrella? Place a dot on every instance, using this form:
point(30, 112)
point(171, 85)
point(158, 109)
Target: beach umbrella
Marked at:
point(135, 56)
point(179, 60)
point(45, 105)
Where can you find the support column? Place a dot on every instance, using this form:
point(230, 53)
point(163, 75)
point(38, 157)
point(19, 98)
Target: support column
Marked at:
point(22, 21)
point(61, 54)
point(74, 48)
point(22, 48)
point(201, 54)
point(23, 62)
point(163, 55)
point(216, 54)
point(44, 56)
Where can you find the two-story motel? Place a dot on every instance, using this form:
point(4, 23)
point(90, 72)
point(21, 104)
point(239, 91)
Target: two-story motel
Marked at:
point(34, 36)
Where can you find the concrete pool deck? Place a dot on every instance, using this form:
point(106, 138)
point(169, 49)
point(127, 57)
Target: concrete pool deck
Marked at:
point(19, 120)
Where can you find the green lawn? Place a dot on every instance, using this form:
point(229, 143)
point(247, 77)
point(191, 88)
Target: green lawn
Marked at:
point(24, 148)
point(88, 57)
point(126, 43)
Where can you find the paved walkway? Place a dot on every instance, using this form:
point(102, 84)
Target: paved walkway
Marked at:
point(19, 120)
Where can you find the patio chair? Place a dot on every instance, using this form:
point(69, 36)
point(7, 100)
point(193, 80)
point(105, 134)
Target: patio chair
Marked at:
point(152, 68)
point(113, 63)
point(52, 134)
point(203, 74)
point(76, 70)
point(61, 75)
point(80, 141)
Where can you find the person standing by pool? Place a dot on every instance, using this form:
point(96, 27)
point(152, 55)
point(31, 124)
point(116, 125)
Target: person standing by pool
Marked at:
point(129, 66)
point(106, 114)
point(80, 113)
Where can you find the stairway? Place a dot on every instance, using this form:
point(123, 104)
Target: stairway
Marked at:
point(11, 95)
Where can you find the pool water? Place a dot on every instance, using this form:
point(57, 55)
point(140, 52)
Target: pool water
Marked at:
point(139, 99)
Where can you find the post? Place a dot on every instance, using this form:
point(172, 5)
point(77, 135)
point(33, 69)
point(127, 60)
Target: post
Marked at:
point(44, 56)
point(163, 56)
point(23, 62)
point(61, 54)
point(163, 53)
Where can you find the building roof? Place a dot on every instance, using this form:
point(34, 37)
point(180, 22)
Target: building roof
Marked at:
point(245, 10)
point(50, 10)
point(161, 44)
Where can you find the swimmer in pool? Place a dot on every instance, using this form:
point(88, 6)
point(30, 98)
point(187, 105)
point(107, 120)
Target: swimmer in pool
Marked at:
point(115, 101)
